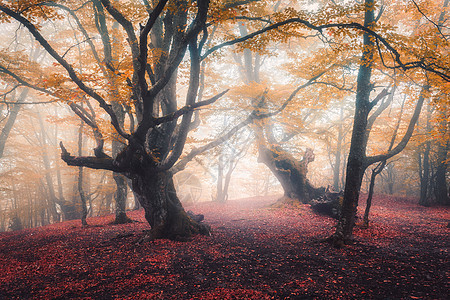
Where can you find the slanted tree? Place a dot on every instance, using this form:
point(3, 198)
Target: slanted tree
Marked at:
point(13, 111)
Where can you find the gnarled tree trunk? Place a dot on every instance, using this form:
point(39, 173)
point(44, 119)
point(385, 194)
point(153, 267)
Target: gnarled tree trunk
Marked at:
point(290, 172)
point(163, 210)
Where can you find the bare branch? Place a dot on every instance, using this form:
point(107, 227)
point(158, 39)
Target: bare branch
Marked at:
point(104, 163)
point(431, 67)
point(187, 108)
point(254, 115)
point(404, 141)
point(438, 27)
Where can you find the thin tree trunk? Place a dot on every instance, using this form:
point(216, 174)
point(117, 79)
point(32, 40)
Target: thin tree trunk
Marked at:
point(84, 210)
point(442, 195)
point(337, 163)
point(377, 170)
point(425, 178)
point(425, 182)
point(48, 178)
point(14, 111)
point(356, 158)
point(220, 197)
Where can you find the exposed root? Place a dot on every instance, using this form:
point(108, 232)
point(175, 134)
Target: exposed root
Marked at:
point(287, 202)
point(123, 219)
point(181, 230)
point(337, 241)
point(363, 224)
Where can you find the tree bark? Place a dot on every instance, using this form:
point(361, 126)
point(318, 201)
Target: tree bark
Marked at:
point(356, 158)
point(425, 181)
point(441, 191)
point(121, 197)
point(425, 175)
point(290, 172)
point(163, 210)
point(337, 163)
point(84, 210)
point(377, 170)
point(14, 111)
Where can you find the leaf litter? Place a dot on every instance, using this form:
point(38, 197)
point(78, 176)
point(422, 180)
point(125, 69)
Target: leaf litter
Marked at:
point(254, 252)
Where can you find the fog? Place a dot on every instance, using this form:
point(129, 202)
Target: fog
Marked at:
point(303, 80)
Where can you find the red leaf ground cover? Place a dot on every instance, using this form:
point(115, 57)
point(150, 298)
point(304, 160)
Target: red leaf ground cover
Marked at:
point(255, 252)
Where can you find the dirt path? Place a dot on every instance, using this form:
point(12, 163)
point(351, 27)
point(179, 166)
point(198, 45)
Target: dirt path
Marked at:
point(255, 252)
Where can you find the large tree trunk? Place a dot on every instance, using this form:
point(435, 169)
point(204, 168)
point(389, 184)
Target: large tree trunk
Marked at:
point(290, 172)
point(163, 210)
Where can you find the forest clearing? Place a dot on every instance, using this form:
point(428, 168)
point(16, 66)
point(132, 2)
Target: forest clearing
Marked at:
point(254, 252)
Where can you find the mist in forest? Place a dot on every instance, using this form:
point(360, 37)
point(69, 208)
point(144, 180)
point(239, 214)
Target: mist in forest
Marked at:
point(224, 149)
point(230, 115)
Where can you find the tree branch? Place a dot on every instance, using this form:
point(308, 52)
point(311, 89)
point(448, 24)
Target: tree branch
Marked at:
point(128, 27)
point(187, 108)
point(254, 115)
point(77, 109)
point(402, 144)
point(104, 163)
point(72, 74)
point(396, 55)
point(438, 27)
point(143, 41)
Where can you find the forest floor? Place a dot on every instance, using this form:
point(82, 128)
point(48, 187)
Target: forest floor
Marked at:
point(255, 252)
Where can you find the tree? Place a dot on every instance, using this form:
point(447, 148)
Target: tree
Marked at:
point(11, 118)
point(157, 142)
point(382, 164)
point(358, 161)
point(442, 191)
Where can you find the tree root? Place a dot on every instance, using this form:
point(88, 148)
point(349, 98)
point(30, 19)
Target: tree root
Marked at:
point(337, 240)
point(288, 202)
point(122, 220)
